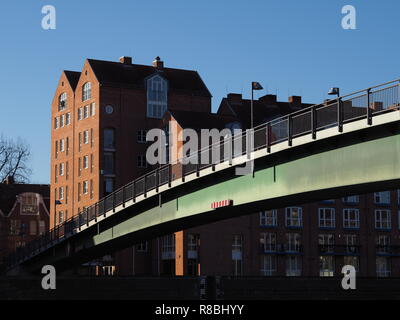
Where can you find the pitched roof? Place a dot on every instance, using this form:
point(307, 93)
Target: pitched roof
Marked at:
point(9, 192)
point(133, 75)
point(201, 120)
point(73, 78)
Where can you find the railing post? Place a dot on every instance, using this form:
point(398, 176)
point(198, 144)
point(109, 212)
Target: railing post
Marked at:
point(157, 178)
point(198, 163)
point(87, 216)
point(290, 130)
point(113, 201)
point(231, 150)
point(268, 137)
point(123, 196)
point(169, 175)
point(314, 122)
point(369, 110)
point(340, 114)
point(144, 187)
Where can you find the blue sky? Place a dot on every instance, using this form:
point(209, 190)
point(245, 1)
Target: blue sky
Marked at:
point(292, 47)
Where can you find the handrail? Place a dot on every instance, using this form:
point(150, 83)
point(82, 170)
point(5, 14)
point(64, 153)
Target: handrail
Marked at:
point(263, 135)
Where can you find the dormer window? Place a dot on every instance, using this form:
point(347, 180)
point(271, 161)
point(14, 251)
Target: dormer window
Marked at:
point(87, 91)
point(157, 97)
point(62, 102)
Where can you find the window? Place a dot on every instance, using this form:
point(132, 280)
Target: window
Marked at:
point(61, 193)
point(326, 243)
point(87, 91)
point(168, 247)
point(55, 173)
point(60, 217)
point(108, 185)
point(62, 101)
point(66, 195)
point(157, 96)
point(351, 243)
point(142, 247)
point(80, 113)
point(62, 169)
point(85, 187)
point(80, 141)
point(67, 119)
point(141, 161)
point(351, 199)
point(382, 244)
point(293, 242)
point(351, 218)
point(237, 255)
point(326, 266)
point(268, 265)
point(29, 204)
point(382, 197)
point(293, 266)
point(383, 219)
point(326, 217)
point(383, 269)
point(294, 217)
point(92, 109)
point(86, 137)
point(268, 242)
point(32, 228)
point(62, 121)
point(86, 112)
point(268, 218)
point(62, 145)
point(86, 162)
point(352, 261)
point(42, 227)
point(15, 227)
point(109, 167)
point(141, 136)
point(56, 123)
point(109, 138)
point(91, 190)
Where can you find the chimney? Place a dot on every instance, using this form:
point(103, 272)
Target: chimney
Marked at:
point(296, 100)
point(157, 63)
point(125, 60)
point(268, 99)
point(9, 180)
point(234, 98)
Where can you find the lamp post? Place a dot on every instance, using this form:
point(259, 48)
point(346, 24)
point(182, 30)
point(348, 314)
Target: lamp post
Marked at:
point(334, 92)
point(254, 86)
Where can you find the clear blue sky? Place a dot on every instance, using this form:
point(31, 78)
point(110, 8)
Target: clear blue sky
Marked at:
point(292, 47)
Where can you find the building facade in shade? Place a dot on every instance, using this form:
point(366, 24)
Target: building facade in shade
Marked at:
point(24, 214)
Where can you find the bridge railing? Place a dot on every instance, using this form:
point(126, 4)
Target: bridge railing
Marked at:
point(364, 104)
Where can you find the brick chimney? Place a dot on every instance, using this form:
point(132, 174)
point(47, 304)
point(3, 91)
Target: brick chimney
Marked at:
point(158, 63)
point(125, 60)
point(296, 100)
point(268, 99)
point(9, 180)
point(234, 98)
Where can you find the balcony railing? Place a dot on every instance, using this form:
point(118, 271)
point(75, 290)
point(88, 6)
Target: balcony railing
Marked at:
point(331, 249)
point(364, 104)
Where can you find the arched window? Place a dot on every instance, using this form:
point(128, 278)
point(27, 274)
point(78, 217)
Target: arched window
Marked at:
point(62, 101)
point(87, 91)
point(157, 97)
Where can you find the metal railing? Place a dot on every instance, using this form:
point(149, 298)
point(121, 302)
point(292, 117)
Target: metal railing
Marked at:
point(362, 104)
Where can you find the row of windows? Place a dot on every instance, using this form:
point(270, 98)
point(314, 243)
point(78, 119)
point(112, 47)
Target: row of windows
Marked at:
point(109, 137)
point(326, 218)
point(83, 189)
point(86, 111)
point(83, 137)
point(63, 120)
point(61, 169)
point(61, 145)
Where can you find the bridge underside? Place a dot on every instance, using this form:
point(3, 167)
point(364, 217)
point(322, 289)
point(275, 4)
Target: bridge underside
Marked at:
point(352, 163)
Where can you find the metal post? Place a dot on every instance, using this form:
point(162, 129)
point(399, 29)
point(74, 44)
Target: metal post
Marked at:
point(290, 130)
point(198, 163)
point(268, 137)
point(123, 196)
point(144, 187)
point(157, 178)
point(251, 108)
point(340, 114)
point(369, 110)
point(314, 122)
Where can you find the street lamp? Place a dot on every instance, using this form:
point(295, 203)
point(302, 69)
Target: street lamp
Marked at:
point(254, 86)
point(334, 92)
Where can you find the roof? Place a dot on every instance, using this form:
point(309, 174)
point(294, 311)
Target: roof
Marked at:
point(73, 78)
point(133, 75)
point(201, 120)
point(9, 192)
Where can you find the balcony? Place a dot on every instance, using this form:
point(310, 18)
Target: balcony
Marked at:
point(339, 250)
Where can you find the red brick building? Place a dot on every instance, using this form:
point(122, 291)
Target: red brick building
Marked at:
point(24, 214)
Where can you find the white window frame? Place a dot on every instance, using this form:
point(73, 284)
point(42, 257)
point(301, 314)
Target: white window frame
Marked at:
point(80, 113)
point(67, 118)
point(294, 266)
point(351, 199)
point(62, 169)
point(268, 241)
point(93, 109)
point(157, 97)
point(349, 220)
point(268, 265)
point(383, 272)
point(269, 215)
point(87, 91)
point(382, 197)
point(86, 137)
point(85, 187)
point(62, 145)
point(293, 242)
point(141, 136)
point(62, 98)
point(380, 223)
point(86, 112)
point(324, 220)
point(289, 219)
point(85, 162)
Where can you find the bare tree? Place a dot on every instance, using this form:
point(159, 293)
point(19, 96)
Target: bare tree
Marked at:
point(14, 159)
